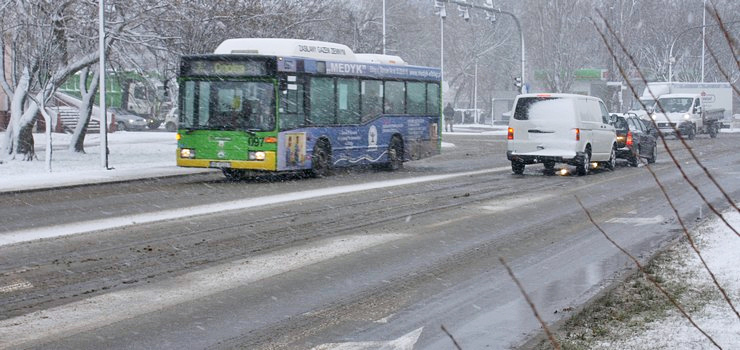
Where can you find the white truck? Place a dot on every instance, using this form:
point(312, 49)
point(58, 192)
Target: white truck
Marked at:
point(713, 96)
point(687, 114)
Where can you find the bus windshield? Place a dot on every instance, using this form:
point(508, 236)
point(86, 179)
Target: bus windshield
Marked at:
point(228, 105)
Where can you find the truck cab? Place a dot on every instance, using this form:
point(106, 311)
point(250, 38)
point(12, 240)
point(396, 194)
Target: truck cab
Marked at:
point(684, 113)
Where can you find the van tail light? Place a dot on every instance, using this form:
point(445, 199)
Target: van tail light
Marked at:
point(629, 138)
point(578, 134)
point(510, 134)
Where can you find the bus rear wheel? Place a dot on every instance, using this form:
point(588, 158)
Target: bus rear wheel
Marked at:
point(321, 160)
point(395, 154)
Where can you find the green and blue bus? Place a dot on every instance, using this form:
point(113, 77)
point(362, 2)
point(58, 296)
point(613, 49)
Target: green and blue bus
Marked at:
point(285, 105)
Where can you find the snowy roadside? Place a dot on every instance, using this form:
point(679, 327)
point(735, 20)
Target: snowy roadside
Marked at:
point(133, 155)
point(636, 316)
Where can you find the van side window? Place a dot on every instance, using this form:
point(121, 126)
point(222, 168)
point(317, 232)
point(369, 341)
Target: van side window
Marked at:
point(604, 113)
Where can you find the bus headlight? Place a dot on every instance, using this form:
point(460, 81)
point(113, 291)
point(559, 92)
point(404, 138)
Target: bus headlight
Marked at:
point(187, 153)
point(256, 155)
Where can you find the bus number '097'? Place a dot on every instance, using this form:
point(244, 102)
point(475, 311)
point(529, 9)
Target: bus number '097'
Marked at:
point(255, 141)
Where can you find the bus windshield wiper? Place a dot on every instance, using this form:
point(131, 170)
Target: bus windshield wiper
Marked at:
point(251, 131)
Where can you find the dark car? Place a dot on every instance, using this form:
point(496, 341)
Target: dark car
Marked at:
point(635, 138)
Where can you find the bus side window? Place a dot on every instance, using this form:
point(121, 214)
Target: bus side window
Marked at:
point(293, 114)
point(395, 97)
point(415, 98)
point(348, 101)
point(433, 107)
point(371, 94)
point(322, 101)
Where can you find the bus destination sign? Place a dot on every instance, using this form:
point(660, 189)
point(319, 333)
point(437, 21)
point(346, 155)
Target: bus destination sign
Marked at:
point(226, 68)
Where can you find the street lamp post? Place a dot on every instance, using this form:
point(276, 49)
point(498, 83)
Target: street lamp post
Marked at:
point(703, 35)
point(521, 41)
point(384, 27)
point(103, 113)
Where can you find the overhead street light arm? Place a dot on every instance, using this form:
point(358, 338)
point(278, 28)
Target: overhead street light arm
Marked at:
point(673, 43)
point(492, 11)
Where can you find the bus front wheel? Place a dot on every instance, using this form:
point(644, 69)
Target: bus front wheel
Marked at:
point(321, 160)
point(234, 174)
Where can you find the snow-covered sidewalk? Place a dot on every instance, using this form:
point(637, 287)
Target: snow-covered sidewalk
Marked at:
point(133, 155)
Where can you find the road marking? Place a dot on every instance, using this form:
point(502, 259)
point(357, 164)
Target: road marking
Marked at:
point(637, 221)
point(384, 319)
point(17, 285)
point(405, 342)
point(104, 224)
point(506, 204)
point(105, 309)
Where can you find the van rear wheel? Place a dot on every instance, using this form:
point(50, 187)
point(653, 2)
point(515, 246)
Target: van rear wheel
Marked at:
point(517, 167)
point(585, 165)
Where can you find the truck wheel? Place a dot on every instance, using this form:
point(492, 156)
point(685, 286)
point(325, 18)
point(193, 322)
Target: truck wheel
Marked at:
point(713, 131)
point(692, 132)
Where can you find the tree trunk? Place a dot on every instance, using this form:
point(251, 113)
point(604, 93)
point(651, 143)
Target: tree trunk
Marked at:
point(85, 110)
point(25, 142)
point(79, 142)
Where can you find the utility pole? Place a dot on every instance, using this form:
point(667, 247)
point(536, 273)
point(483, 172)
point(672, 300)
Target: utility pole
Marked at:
point(103, 112)
point(384, 27)
point(703, 35)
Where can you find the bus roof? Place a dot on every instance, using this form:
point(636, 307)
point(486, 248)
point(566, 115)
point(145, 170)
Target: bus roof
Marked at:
point(320, 50)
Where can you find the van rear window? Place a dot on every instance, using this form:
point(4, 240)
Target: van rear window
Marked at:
point(543, 108)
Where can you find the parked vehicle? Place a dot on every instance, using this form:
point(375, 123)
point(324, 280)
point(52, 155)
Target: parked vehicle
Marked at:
point(685, 113)
point(560, 128)
point(126, 121)
point(170, 120)
point(636, 138)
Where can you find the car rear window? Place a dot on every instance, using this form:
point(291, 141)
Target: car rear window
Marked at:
point(621, 124)
point(544, 108)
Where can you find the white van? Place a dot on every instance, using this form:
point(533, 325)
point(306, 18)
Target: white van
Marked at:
point(560, 128)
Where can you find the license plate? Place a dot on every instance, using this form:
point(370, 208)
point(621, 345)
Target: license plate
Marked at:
point(220, 165)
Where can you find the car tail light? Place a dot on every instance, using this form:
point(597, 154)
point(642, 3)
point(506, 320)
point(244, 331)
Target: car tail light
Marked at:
point(578, 134)
point(510, 134)
point(629, 138)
